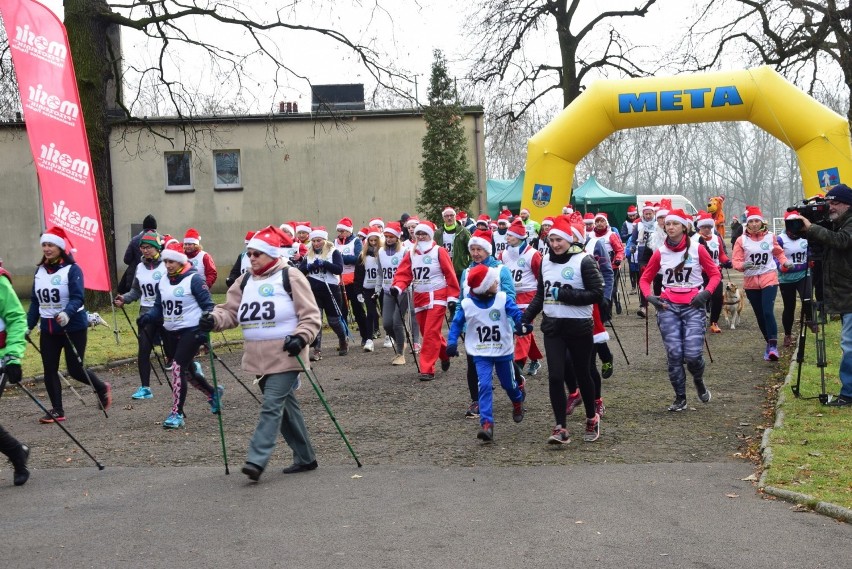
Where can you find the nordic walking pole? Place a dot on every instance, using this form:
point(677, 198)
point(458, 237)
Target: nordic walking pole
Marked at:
point(85, 371)
point(132, 329)
point(328, 409)
point(339, 313)
point(617, 339)
point(216, 395)
point(407, 334)
point(114, 324)
point(58, 424)
point(647, 309)
point(214, 355)
point(59, 373)
point(707, 345)
point(225, 341)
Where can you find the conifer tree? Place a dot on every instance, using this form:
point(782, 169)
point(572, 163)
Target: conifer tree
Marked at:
point(447, 178)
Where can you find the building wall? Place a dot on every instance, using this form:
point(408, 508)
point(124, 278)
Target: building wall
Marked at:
point(293, 167)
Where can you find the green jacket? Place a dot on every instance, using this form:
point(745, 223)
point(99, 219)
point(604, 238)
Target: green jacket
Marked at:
point(460, 254)
point(836, 263)
point(14, 319)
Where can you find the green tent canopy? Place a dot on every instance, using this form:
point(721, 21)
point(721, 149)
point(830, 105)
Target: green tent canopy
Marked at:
point(592, 197)
point(501, 193)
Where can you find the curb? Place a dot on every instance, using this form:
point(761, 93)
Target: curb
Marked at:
point(825, 508)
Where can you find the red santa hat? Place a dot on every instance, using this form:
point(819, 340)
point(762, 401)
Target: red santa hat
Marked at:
point(680, 216)
point(393, 228)
point(578, 228)
point(345, 224)
point(631, 210)
point(174, 252)
point(504, 217)
point(288, 229)
point(492, 225)
point(562, 228)
point(58, 237)
point(792, 215)
point(362, 233)
point(547, 221)
point(648, 207)
point(483, 219)
point(517, 229)
point(249, 235)
point(374, 231)
point(753, 212)
point(377, 221)
point(602, 215)
point(448, 210)
point(589, 218)
point(411, 222)
point(481, 278)
point(665, 206)
point(704, 219)
point(303, 226)
point(427, 227)
point(269, 240)
point(567, 210)
point(462, 214)
point(192, 237)
point(481, 238)
point(319, 232)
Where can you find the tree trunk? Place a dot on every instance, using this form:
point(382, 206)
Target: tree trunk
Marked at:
point(88, 40)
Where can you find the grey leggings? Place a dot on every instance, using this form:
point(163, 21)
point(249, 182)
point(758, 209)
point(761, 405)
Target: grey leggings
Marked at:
point(392, 320)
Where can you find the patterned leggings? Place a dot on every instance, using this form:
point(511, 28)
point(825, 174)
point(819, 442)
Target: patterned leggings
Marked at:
point(682, 328)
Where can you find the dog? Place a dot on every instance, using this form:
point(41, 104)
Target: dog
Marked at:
point(95, 319)
point(733, 301)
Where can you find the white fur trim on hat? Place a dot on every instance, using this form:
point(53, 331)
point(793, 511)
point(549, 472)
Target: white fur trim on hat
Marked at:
point(392, 231)
point(374, 233)
point(705, 222)
point(674, 217)
point(191, 241)
point(172, 255)
point(54, 239)
point(448, 210)
point(562, 234)
point(288, 229)
point(479, 241)
point(264, 247)
point(378, 222)
point(319, 233)
point(345, 227)
point(491, 277)
point(601, 215)
point(425, 228)
point(304, 228)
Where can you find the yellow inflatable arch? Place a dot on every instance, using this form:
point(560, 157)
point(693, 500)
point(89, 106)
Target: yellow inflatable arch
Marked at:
point(761, 96)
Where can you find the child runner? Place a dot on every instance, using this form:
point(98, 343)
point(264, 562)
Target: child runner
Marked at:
point(491, 317)
point(144, 288)
point(569, 284)
point(715, 245)
point(753, 254)
point(57, 300)
point(181, 297)
point(682, 305)
point(793, 280)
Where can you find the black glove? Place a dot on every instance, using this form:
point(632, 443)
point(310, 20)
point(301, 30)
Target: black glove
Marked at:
point(700, 300)
point(523, 329)
point(294, 345)
point(728, 265)
point(206, 323)
point(605, 308)
point(453, 350)
point(616, 264)
point(657, 302)
point(13, 372)
point(229, 281)
point(394, 292)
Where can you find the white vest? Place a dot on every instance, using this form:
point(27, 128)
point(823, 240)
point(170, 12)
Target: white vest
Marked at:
point(560, 274)
point(604, 239)
point(245, 264)
point(488, 330)
point(346, 249)
point(426, 271)
point(198, 264)
point(690, 276)
point(500, 243)
point(321, 274)
point(180, 309)
point(796, 250)
point(759, 253)
point(521, 268)
point(447, 240)
point(148, 279)
point(543, 246)
point(51, 291)
point(714, 247)
point(389, 264)
point(266, 310)
point(372, 277)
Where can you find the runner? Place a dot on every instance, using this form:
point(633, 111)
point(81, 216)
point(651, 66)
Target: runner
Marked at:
point(201, 260)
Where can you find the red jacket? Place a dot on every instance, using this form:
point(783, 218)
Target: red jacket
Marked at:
point(425, 300)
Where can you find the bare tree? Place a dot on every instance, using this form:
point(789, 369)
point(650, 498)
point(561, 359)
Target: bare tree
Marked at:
point(183, 33)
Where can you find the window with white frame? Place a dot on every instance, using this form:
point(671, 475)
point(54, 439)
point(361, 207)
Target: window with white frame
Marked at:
point(226, 165)
point(178, 171)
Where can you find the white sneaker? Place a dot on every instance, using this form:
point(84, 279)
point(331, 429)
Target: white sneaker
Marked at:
point(388, 343)
point(416, 348)
point(368, 346)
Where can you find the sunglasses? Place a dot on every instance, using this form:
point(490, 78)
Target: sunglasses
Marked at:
point(253, 254)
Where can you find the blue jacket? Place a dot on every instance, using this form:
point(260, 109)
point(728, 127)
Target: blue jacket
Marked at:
point(512, 311)
point(78, 317)
point(507, 283)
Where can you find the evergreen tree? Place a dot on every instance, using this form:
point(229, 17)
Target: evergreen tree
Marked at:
point(447, 178)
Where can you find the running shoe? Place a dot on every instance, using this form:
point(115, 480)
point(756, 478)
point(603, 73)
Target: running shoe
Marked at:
point(593, 429)
point(52, 416)
point(416, 348)
point(715, 328)
point(388, 343)
point(445, 364)
point(606, 370)
point(143, 393)
point(574, 399)
point(486, 433)
point(559, 436)
point(216, 402)
point(427, 376)
point(679, 404)
point(773, 353)
point(173, 421)
point(106, 396)
point(518, 411)
point(534, 367)
point(703, 392)
point(472, 410)
point(398, 360)
point(368, 346)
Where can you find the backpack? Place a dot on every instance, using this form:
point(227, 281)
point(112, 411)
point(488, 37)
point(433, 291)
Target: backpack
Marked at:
point(285, 280)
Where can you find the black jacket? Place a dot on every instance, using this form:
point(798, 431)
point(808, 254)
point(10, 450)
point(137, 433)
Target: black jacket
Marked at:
point(837, 263)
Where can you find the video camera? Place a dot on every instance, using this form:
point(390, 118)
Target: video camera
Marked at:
point(814, 210)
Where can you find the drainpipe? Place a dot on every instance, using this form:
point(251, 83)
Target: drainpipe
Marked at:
point(479, 184)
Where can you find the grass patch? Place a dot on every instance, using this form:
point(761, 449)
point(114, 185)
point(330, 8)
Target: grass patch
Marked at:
point(811, 453)
point(101, 346)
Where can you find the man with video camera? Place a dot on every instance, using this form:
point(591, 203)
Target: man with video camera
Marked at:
point(837, 276)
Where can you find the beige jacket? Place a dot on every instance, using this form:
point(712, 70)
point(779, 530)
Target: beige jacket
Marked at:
point(263, 357)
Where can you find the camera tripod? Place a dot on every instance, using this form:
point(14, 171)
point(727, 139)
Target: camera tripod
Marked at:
point(816, 323)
